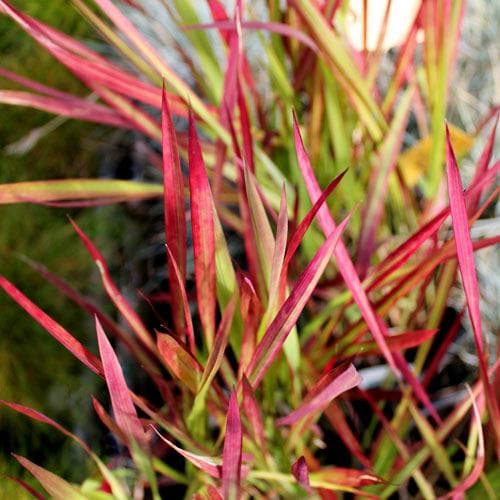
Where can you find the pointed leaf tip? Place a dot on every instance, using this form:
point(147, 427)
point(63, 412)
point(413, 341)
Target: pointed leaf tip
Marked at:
point(321, 395)
point(301, 473)
point(56, 486)
point(121, 400)
point(52, 327)
point(285, 319)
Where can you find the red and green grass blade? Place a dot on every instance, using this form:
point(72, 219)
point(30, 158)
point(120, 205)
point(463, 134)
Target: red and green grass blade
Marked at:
point(59, 190)
point(179, 361)
point(114, 294)
point(379, 182)
point(116, 487)
point(174, 210)
point(121, 400)
point(253, 413)
point(72, 107)
point(25, 486)
point(438, 451)
point(56, 486)
point(352, 280)
point(298, 234)
point(275, 297)
point(52, 327)
point(479, 461)
point(210, 465)
point(203, 231)
point(322, 394)
point(262, 234)
point(396, 343)
point(277, 332)
point(214, 362)
point(466, 264)
point(232, 451)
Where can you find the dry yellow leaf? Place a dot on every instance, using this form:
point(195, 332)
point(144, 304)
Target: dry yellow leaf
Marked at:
point(414, 162)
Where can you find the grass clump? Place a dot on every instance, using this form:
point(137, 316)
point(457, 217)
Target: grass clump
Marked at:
point(309, 365)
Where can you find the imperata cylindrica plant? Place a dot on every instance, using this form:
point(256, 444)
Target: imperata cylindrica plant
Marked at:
point(308, 363)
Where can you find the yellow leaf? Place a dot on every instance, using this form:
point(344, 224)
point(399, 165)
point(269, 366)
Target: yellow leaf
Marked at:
point(414, 162)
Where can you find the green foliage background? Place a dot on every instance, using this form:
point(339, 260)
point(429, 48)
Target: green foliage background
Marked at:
point(34, 369)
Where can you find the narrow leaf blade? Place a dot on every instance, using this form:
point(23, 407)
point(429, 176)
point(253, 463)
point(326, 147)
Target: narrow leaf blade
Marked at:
point(174, 207)
point(231, 455)
point(53, 484)
point(348, 379)
point(203, 230)
point(285, 319)
point(52, 327)
point(121, 400)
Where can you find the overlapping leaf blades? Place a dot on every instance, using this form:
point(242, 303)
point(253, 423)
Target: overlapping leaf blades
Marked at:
point(246, 315)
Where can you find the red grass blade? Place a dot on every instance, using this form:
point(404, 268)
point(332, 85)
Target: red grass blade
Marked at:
point(231, 455)
point(345, 477)
point(180, 362)
point(202, 223)
point(402, 253)
point(345, 264)
point(221, 340)
point(323, 394)
point(87, 305)
point(40, 417)
point(207, 464)
point(246, 132)
point(301, 473)
point(337, 419)
point(56, 486)
point(301, 230)
point(34, 85)
point(185, 303)
point(252, 411)
point(219, 14)
point(466, 264)
point(26, 487)
point(275, 296)
point(351, 278)
point(396, 343)
point(114, 294)
point(463, 242)
point(121, 400)
point(277, 332)
point(482, 166)
point(73, 107)
point(174, 206)
point(52, 327)
point(108, 422)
